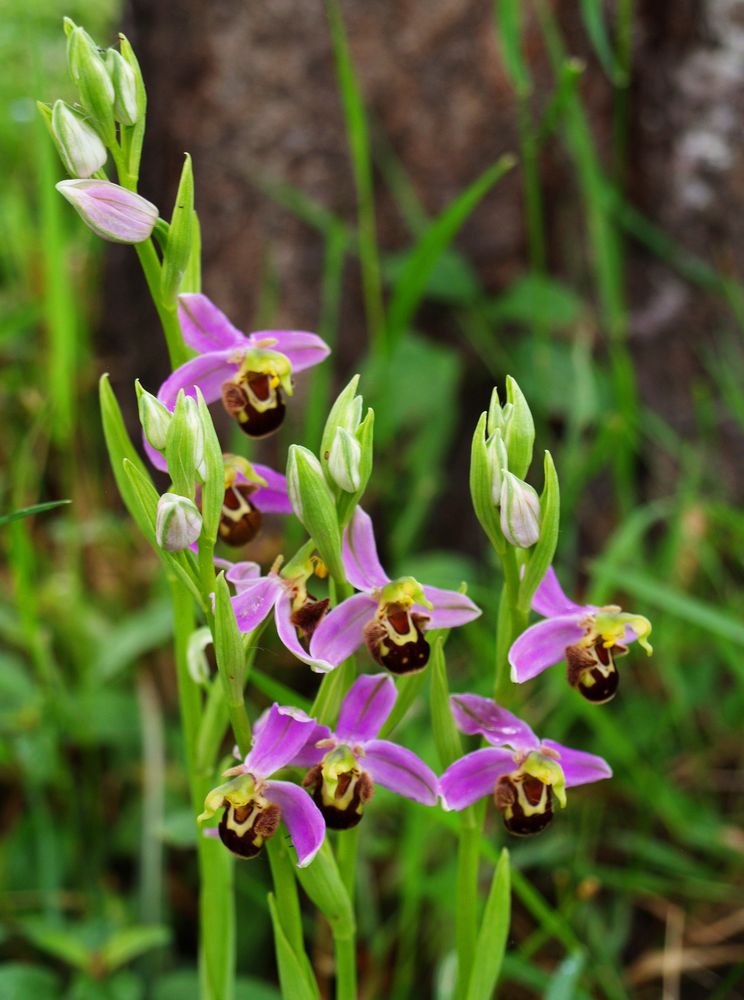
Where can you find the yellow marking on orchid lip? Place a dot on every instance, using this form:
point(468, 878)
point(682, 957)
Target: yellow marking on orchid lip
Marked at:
point(319, 567)
point(275, 380)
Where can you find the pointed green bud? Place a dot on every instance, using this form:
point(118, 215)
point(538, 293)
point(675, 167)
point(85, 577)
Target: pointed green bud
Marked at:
point(123, 78)
point(344, 461)
point(519, 435)
point(88, 72)
point(481, 485)
point(520, 511)
point(314, 505)
point(179, 245)
point(497, 461)
point(79, 146)
point(154, 417)
point(69, 26)
point(178, 522)
point(184, 446)
point(346, 412)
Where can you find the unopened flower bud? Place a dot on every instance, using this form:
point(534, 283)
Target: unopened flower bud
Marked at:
point(184, 446)
point(112, 212)
point(344, 460)
point(79, 146)
point(520, 511)
point(519, 433)
point(88, 71)
point(178, 522)
point(154, 417)
point(497, 462)
point(125, 88)
point(314, 505)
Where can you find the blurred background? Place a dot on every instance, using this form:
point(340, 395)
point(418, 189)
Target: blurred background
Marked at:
point(350, 180)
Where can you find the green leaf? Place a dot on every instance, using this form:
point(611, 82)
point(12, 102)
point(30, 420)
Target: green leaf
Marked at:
point(292, 979)
point(192, 277)
point(537, 300)
point(145, 503)
point(508, 19)
point(480, 487)
point(228, 642)
point(411, 285)
point(24, 982)
point(493, 933)
point(119, 448)
point(592, 14)
point(28, 511)
point(543, 552)
point(213, 491)
point(180, 236)
point(564, 982)
point(322, 883)
point(61, 944)
point(446, 736)
point(131, 942)
point(452, 279)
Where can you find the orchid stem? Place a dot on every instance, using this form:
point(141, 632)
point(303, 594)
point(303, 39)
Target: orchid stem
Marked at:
point(148, 258)
point(466, 906)
point(346, 978)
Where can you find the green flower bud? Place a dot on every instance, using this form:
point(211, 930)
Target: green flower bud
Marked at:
point(178, 522)
point(520, 511)
point(344, 461)
point(88, 71)
point(154, 417)
point(314, 505)
point(519, 434)
point(79, 146)
point(122, 77)
point(184, 446)
point(497, 462)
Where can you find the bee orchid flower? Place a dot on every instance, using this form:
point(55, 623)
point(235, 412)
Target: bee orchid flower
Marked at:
point(390, 616)
point(346, 764)
point(254, 805)
point(589, 638)
point(521, 771)
point(250, 374)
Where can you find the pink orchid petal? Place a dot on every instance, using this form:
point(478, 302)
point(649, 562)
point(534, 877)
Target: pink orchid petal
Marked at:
point(242, 575)
point(549, 599)
point(401, 771)
point(579, 767)
point(365, 708)
point(288, 635)
point(342, 631)
point(301, 817)
point(482, 716)
point(205, 328)
point(303, 349)
point(361, 562)
point(473, 776)
point(544, 644)
point(207, 371)
point(450, 608)
point(281, 735)
point(310, 754)
point(271, 498)
point(255, 600)
point(156, 457)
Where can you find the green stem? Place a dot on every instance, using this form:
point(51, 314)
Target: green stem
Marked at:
point(346, 978)
point(466, 906)
point(148, 258)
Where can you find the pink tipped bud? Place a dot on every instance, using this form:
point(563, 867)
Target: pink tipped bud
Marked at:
point(111, 211)
point(520, 511)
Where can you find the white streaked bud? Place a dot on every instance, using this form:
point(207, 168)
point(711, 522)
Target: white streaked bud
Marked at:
point(80, 147)
point(178, 522)
point(125, 87)
point(520, 511)
point(497, 462)
point(154, 417)
point(344, 460)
